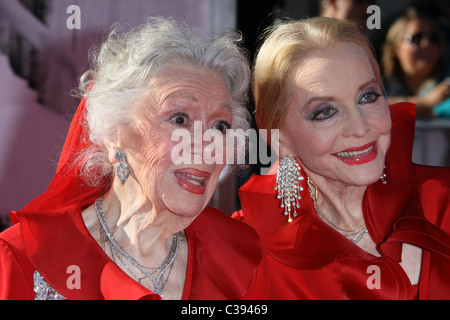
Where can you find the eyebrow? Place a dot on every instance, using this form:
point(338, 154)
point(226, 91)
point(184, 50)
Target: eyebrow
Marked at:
point(366, 84)
point(181, 95)
point(188, 96)
point(330, 98)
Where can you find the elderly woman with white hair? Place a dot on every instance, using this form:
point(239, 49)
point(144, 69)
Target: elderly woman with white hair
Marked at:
point(121, 219)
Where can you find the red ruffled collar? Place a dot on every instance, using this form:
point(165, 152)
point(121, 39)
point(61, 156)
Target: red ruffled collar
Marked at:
point(58, 238)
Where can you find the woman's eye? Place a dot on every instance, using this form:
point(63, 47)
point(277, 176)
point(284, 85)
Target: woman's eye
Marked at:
point(369, 97)
point(222, 126)
point(324, 113)
point(179, 118)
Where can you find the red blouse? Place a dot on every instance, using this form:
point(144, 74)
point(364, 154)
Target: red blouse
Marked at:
point(307, 259)
point(49, 235)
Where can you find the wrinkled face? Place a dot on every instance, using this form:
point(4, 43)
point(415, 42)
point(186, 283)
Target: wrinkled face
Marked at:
point(338, 122)
point(419, 50)
point(176, 99)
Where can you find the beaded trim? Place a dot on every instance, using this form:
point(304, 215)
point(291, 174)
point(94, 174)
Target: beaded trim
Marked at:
point(43, 290)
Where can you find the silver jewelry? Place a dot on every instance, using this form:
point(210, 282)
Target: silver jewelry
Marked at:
point(383, 176)
point(123, 169)
point(156, 276)
point(353, 235)
point(43, 290)
point(359, 235)
point(288, 184)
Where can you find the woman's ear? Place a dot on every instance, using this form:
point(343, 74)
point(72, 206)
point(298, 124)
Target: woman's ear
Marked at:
point(112, 149)
point(277, 143)
point(113, 146)
point(284, 149)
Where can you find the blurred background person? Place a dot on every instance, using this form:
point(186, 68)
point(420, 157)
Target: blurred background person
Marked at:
point(413, 60)
point(352, 10)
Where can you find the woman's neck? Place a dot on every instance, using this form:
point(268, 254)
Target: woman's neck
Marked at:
point(339, 204)
point(137, 223)
point(144, 233)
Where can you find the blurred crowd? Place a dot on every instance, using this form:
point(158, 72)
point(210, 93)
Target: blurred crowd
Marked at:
point(413, 53)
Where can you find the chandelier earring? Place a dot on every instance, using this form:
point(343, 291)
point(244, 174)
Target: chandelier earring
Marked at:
point(383, 176)
point(123, 169)
point(288, 184)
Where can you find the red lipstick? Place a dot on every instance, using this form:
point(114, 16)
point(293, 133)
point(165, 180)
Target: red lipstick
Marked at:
point(358, 155)
point(192, 180)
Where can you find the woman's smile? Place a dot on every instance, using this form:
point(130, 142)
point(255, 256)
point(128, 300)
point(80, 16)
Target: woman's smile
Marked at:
point(358, 155)
point(192, 180)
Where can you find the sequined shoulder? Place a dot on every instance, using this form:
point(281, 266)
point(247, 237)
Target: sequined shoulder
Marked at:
point(43, 290)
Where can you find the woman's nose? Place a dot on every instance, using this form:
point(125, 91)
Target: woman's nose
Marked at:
point(424, 43)
point(206, 143)
point(197, 141)
point(356, 124)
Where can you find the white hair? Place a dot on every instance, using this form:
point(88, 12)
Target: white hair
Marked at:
point(124, 66)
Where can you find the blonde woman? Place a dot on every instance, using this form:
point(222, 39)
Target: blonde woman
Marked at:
point(344, 213)
point(413, 61)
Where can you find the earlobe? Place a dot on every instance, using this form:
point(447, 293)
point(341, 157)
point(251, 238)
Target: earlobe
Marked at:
point(112, 150)
point(284, 150)
point(113, 146)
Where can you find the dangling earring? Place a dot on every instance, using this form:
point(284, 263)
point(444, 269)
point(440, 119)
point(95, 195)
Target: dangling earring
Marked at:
point(123, 169)
point(288, 184)
point(383, 176)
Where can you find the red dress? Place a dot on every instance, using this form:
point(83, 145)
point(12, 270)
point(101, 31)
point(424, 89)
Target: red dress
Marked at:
point(224, 256)
point(307, 259)
point(49, 236)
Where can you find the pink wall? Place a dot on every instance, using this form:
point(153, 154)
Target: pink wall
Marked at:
point(30, 139)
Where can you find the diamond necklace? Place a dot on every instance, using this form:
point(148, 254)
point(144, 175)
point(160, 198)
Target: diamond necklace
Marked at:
point(157, 275)
point(354, 235)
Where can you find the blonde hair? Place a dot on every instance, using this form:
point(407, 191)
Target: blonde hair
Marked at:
point(286, 46)
point(391, 66)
